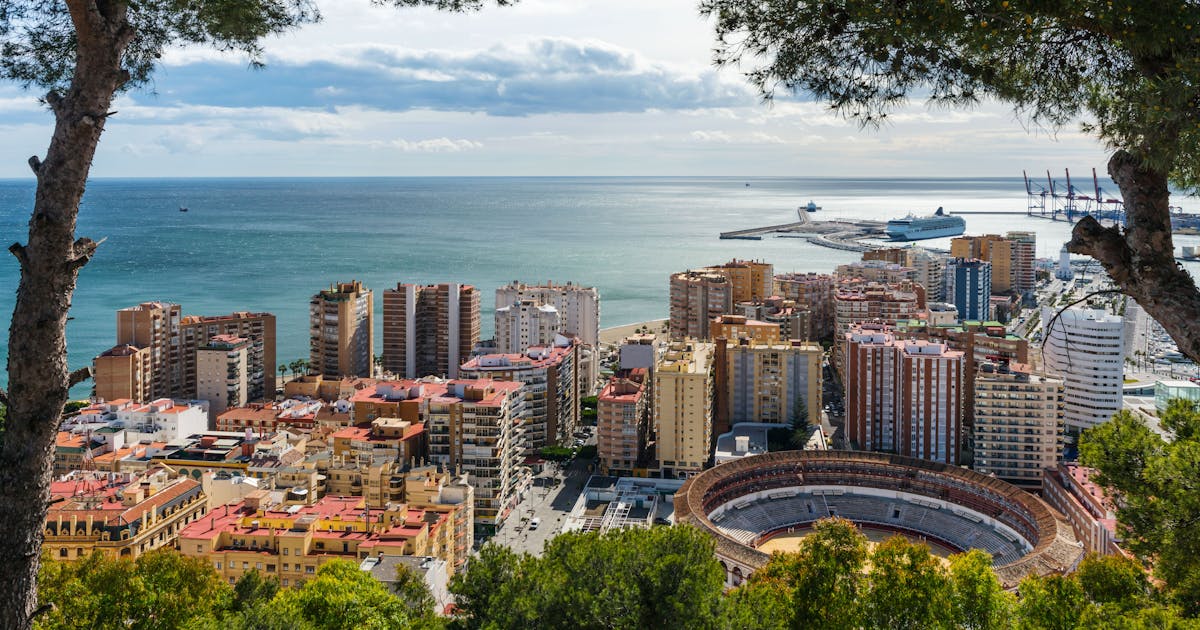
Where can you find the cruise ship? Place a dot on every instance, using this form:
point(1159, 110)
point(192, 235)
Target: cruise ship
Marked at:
point(912, 228)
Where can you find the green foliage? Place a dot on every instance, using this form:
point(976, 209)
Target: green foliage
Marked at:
point(589, 402)
point(74, 405)
point(343, 596)
point(980, 603)
point(661, 577)
point(587, 452)
point(907, 587)
point(160, 590)
point(556, 453)
point(254, 590)
point(1157, 487)
point(1053, 602)
point(1130, 68)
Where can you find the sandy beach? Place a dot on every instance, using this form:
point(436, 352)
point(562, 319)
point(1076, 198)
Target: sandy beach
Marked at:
point(615, 334)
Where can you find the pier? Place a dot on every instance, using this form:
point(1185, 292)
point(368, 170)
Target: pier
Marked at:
point(842, 235)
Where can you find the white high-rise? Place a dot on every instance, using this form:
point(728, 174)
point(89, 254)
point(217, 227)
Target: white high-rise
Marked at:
point(525, 324)
point(1086, 348)
point(579, 315)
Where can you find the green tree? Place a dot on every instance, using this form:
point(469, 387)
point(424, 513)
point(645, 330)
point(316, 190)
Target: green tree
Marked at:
point(1156, 484)
point(980, 603)
point(253, 589)
point(1130, 69)
point(823, 581)
point(1053, 602)
point(907, 587)
point(83, 52)
point(161, 590)
point(283, 368)
point(343, 596)
point(635, 578)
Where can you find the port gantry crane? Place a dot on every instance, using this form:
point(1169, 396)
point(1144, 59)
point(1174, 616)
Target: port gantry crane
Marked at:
point(1048, 203)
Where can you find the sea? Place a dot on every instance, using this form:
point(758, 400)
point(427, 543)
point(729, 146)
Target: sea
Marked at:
point(269, 244)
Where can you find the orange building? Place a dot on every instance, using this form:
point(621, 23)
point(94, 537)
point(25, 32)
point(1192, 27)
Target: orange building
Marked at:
point(735, 327)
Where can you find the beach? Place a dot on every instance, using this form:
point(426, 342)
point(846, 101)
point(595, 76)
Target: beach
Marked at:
point(615, 334)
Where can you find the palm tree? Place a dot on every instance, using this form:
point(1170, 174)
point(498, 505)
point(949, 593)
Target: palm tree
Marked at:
point(296, 366)
point(282, 369)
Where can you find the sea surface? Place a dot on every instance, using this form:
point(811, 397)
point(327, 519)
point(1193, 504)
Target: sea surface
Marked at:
point(269, 244)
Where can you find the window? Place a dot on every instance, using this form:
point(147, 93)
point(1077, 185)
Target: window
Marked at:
point(199, 548)
point(270, 568)
point(309, 569)
point(62, 553)
point(285, 551)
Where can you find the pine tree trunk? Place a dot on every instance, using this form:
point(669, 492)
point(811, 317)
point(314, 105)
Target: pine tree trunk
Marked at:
point(37, 361)
point(1141, 259)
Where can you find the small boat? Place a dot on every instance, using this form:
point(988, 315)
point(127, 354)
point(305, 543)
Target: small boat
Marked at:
point(183, 208)
point(811, 207)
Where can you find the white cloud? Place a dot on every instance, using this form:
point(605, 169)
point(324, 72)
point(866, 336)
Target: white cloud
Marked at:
point(436, 145)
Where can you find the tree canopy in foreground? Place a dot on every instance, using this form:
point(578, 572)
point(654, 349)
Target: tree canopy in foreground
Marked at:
point(1156, 486)
point(1129, 70)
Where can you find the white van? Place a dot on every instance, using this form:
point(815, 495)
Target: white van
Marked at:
point(533, 524)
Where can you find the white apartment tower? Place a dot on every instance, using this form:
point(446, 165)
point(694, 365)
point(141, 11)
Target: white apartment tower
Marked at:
point(1086, 349)
point(579, 315)
point(223, 373)
point(526, 324)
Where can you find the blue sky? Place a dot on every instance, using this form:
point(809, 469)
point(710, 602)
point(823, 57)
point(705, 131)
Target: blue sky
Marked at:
point(548, 87)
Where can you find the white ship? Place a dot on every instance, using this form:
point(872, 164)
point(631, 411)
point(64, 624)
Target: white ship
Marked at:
point(913, 228)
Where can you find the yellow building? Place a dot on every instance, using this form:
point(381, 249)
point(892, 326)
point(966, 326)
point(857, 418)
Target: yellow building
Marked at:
point(767, 382)
point(750, 280)
point(683, 408)
point(990, 247)
point(735, 327)
point(123, 372)
point(291, 542)
point(120, 514)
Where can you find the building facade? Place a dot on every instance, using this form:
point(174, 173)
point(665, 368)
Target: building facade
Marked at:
point(903, 396)
point(552, 389)
point(525, 324)
point(696, 298)
point(683, 408)
point(1069, 488)
point(342, 331)
point(223, 373)
point(1085, 348)
point(429, 329)
point(579, 315)
point(774, 383)
point(623, 422)
point(1018, 429)
point(812, 292)
point(969, 287)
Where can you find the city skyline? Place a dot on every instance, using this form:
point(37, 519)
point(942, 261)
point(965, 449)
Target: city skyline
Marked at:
point(540, 88)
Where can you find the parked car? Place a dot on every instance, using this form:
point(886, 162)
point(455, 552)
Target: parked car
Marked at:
point(533, 524)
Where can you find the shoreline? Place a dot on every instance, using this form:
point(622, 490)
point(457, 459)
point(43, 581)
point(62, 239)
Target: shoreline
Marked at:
point(615, 334)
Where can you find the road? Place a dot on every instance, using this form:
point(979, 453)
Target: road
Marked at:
point(551, 497)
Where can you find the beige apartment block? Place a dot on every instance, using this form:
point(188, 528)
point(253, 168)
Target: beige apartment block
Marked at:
point(683, 408)
point(223, 373)
point(1018, 423)
point(775, 382)
point(123, 372)
point(341, 331)
point(696, 298)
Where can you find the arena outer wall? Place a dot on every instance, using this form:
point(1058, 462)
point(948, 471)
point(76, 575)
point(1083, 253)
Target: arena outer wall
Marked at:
point(1055, 549)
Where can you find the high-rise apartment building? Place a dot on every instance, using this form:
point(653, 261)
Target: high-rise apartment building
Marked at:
point(1011, 257)
point(734, 327)
point(623, 422)
point(429, 329)
point(1018, 423)
point(223, 373)
point(1086, 348)
point(969, 287)
point(579, 315)
point(551, 377)
point(903, 396)
point(774, 382)
point(854, 303)
point(473, 426)
point(811, 292)
point(1024, 259)
point(525, 324)
point(341, 331)
point(155, 327)
point(876, 271)
point(168, 343)
point(123, 372)
point(696, 298)
point(749, 280)
point(929, 270)
point(257, 328)
point(683, 408)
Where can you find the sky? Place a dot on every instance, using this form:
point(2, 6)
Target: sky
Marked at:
point(546, 87)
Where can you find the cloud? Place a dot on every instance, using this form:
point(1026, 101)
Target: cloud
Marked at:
point(436, 145)
point(536, 76)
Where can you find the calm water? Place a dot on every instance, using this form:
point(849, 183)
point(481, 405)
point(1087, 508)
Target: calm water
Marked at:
point(268, 244)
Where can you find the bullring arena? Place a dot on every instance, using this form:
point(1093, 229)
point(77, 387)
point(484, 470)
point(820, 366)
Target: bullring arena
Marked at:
point(754, 504)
